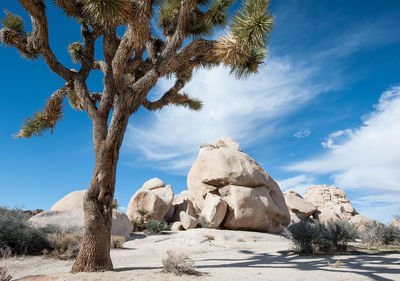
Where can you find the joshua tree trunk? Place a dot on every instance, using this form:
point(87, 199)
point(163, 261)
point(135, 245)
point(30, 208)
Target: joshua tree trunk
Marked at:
point(94, 254)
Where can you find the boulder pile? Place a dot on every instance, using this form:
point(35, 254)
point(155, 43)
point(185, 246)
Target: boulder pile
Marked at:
point(228, 189)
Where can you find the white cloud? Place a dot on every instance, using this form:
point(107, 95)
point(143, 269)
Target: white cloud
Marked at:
point(246, 110)
point(366, 159)
point(302, 133)
point(370, 155)
point(297, 183)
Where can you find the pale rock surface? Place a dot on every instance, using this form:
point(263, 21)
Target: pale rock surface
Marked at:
point(360, 222)
point(395, 223)
point(73, 221)
point(154, 196)
point(254, 208)
point(255, 201)
point(187, 221)
point(177, 226)
point(332, 202)
point(214, 210)
point(181, 202)
point(298, 207)
point(71, 201)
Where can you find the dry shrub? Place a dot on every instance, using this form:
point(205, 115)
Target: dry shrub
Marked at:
point(64, 245)
point(179, 264)
point(209, 237)
point(241, 240)
point(117, 242)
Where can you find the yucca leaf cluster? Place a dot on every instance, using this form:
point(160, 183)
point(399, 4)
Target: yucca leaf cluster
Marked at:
point(14, 23)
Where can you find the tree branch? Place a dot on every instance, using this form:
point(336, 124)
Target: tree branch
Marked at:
point(39, 39)
point(169, 97)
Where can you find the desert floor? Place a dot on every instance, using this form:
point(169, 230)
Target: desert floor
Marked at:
point(232, 255)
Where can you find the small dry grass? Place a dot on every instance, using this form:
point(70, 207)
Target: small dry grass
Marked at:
point(337, 264)
point(65, 245)
point(209, 237)
point(240, 240)
point(179, 264)
point(117, 242)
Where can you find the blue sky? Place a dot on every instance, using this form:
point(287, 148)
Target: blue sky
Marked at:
point(324, 109)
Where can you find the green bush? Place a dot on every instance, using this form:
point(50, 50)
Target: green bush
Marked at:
point(155, 226)
point(18, 235)
point(379, 234)
point(310, 237)
point(340, 233)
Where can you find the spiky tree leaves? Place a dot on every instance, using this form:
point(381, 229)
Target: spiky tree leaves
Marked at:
point(77, 51)
point(188, 102)
point(43, 120)
point(218, 11)
point(252, 25)
point(14, 23)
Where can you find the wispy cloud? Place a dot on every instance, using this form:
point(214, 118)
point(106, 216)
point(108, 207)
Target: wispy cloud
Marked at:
point(302, 133)
point(246, 110)
point(366, 158)
point(298, 183)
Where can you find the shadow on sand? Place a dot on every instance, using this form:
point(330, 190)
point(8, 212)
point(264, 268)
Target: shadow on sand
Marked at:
point(365, 265)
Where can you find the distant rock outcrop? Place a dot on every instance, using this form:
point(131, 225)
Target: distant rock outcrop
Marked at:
point(332, 202)
point(395, 223)
point(155, 197)
point(298, 207)
point(254, 200)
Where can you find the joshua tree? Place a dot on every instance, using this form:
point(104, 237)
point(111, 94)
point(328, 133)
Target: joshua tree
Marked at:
point(131, 65)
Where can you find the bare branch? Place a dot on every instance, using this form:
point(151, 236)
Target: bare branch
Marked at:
point(169, 97)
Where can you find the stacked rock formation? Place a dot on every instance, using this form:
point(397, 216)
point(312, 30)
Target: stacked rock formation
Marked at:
point(67, 215)
point(155, 197)
point(332, 202)
point(232, 191)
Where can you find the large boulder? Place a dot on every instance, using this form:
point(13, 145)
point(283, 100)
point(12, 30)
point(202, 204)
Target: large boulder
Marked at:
point(332, 202)
point(71, 201)
point(155, 197)
point(187, 221)
point(214, 210)
point(255, 201)
point(73, 221)
point(298, 207)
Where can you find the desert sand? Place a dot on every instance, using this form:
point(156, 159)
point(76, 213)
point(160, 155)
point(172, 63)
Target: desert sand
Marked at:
point(231, 255)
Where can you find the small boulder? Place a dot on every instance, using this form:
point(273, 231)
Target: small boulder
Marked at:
point(177, 226)
point(187, 221)
point(297, 205)
point(155, 197)
point(214, 210)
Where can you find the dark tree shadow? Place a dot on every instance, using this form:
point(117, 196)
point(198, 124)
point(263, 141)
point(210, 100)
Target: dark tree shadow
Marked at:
point(365, 265)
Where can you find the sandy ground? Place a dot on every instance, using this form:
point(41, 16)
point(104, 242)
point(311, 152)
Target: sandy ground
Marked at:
point(232, 255)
